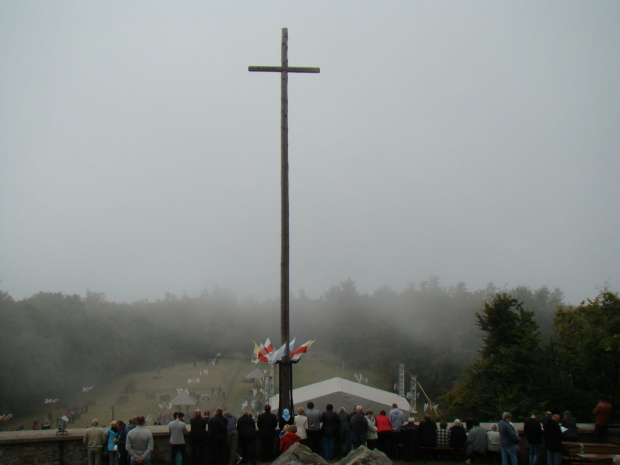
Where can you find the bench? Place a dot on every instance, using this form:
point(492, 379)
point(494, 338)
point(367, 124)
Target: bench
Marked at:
point(571, 452)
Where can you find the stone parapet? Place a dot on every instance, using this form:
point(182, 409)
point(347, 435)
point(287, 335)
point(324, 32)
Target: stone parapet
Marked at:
point(47, 447)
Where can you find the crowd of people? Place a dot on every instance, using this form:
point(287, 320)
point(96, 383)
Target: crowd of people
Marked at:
point(232, 440)
point(66, 416)
point(321, 431)
point(121, 443)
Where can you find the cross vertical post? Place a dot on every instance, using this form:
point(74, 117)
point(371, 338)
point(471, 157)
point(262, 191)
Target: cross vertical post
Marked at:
point(286, 367)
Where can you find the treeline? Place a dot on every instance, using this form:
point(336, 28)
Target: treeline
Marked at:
point(52, 344)
point(520, 368)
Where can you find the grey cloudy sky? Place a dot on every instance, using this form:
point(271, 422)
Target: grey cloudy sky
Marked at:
point(477, 141)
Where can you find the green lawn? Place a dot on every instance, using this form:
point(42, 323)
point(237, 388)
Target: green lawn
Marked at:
point(144, 389)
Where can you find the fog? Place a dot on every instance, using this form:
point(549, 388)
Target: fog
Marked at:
point(476, 141)
point(431, 328)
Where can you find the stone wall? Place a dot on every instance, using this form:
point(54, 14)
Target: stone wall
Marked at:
point(49, 448)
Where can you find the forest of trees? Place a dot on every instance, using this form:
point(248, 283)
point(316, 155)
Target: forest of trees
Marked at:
point(520, 368)
point(478, 352)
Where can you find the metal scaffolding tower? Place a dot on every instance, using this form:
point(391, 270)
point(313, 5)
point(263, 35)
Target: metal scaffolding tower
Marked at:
point(413, 399)
point(401, 379)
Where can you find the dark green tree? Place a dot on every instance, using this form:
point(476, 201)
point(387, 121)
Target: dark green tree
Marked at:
point(587, 353)
point(506, 375)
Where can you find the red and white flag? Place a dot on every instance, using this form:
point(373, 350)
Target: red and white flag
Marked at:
point(301, 350)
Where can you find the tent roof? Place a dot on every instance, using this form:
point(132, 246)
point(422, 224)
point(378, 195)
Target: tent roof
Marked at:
point(184, 399)
point(344, 393)
point(255, 374)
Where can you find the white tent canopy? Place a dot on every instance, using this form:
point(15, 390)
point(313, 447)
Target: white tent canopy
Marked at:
point(184, 399)
point(343, 393)
point(255, 374)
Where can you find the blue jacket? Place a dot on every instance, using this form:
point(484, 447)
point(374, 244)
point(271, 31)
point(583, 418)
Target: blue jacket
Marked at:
point(231, 420)
point(112, 435)
point(508, 436)
point(397, 418)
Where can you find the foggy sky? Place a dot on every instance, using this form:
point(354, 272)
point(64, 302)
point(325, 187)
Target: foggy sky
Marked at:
point(477, 141)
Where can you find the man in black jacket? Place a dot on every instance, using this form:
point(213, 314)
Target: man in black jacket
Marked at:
point(534, 434)
point(345, 430)
point(570, 423)
point(359, 426)
point(428, 432)
point(330, 429)
point(198, 438)
point(553, 441)
point(267, 423)
point(247, 438)
point(217, 431)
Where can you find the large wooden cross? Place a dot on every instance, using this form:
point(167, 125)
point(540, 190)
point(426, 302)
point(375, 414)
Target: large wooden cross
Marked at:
point(286, 367)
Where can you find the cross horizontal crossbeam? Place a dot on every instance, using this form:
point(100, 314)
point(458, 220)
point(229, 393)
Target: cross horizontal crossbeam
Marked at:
point(279, 69)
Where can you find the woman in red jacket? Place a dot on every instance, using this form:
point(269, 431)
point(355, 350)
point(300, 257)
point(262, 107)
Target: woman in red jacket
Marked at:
point(289, 438)
point(384, 431)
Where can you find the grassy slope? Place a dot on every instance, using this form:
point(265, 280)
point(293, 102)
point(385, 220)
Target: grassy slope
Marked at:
point(227, 374)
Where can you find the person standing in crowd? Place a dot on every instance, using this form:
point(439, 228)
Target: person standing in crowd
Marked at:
point(493, 447)
point(289, 438)
point(602, 419)
point(314, 427)
point(546, 419)
point(112, 438)
point(198, 438)
point(177, 430)
point(140, 443)
point(458, 437)
point(476, 442)
point(410, 437)
point(397, 419)
point(285, 419)
point(218, 426)
point(384, 432)
point(371, 434)
point(94, 439)
point(232, 437)
point(301, 422)
point(570, 423)
point(345, 430)
point(443, 435)
point(267, 423)
point(121, 445)
point(131, 424)
point(282, 433)
point(508, 440)
point(428, 432)
point(534, 434)
point(246, 428)
point(553, 441)
point(329, 430)
point(359, 427)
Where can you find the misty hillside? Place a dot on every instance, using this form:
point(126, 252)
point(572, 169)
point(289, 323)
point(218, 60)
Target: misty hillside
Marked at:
point(221, 383)
point(52, 344)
